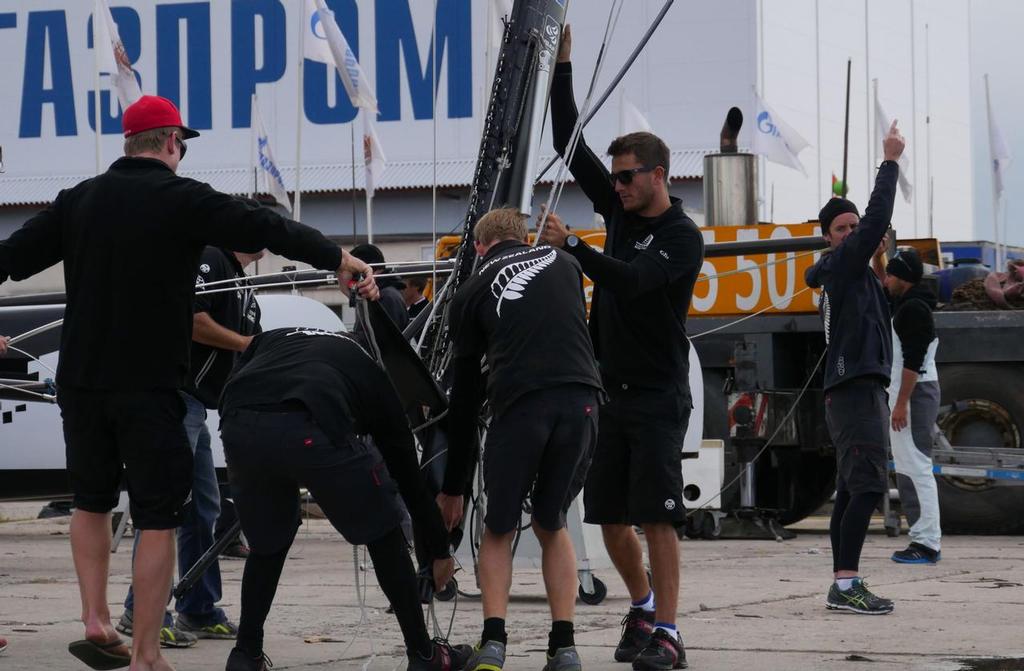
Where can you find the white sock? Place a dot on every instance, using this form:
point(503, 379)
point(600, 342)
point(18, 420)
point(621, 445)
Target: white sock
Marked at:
point(669, 629)
point(647, 604)
point(845, 584)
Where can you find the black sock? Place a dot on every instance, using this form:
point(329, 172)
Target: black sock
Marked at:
point(259, 584)
point(561, 636)
point(494, 630)
point(397, 578)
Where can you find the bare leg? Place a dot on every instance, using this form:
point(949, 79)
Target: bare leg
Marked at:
point(628, 557)
point(90, 550)
point(495, 572)
point(559, 568)
point(663, 549)
point(151, 579)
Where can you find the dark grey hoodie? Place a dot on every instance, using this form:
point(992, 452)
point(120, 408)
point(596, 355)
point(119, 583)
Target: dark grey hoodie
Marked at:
point(853, 304)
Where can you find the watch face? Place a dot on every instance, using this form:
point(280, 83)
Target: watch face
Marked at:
point(572, 241)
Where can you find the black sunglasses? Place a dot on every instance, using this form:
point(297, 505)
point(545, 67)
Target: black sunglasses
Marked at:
point(626, 176)
point(182, 147)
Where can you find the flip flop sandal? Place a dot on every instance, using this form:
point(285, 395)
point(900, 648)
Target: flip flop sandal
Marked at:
point(98, 655)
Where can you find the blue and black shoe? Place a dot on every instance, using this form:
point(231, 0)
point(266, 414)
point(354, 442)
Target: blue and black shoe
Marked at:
point(917, 554)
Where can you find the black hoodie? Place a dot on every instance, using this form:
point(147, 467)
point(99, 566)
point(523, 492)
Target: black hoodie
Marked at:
point(853, 304)
point(914, 325)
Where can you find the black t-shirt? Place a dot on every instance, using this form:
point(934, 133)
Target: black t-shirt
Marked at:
point(643, 282)
point(347, 393)
point(130, 240)
point(524, 310)
point(236, 311)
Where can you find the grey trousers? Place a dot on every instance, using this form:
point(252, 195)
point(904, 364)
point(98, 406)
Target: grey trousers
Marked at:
point(915, 478)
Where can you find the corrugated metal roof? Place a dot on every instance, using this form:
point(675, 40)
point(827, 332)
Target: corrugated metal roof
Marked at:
point(451, 173)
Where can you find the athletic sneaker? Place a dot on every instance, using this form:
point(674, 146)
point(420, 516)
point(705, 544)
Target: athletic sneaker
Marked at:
point(170, 636)
point(3, 643)
point(235, 551)
point(637, 627)
point(220, 630)
point(240, 660)
point(917, 554)
point(564, 659)
point(663, 652)
point(857, 599)
point(489, 656)
point(446, 657)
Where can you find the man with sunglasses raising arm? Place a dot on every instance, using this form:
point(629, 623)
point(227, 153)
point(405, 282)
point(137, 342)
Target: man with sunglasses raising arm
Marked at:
point(130, 240)
point(643, 283)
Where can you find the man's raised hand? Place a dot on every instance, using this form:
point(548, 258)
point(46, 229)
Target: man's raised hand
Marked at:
point(893, 144)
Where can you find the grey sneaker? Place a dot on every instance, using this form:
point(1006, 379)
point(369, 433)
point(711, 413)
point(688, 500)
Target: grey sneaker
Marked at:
point(489, 656)
point(565, 659)
point(170, 636)
point(225, 630)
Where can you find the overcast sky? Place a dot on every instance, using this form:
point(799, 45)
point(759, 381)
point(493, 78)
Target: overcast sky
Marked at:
point(997, 48)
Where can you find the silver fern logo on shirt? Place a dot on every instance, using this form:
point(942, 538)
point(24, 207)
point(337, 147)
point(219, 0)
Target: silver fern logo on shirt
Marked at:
point(512, 280)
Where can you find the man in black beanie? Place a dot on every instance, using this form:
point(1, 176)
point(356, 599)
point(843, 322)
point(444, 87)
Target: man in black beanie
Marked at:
point(390, 287)
point(858, 365)
point(914, 397)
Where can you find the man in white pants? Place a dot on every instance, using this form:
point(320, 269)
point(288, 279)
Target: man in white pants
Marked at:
point(914, 400)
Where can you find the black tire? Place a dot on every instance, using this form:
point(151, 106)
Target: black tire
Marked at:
point(595, 597)
point(993, 417)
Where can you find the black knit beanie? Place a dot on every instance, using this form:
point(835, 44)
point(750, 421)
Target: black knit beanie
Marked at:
point(833, 209)
point(906, 265)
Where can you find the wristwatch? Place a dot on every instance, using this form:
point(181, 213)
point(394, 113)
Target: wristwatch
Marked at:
point(571, 242)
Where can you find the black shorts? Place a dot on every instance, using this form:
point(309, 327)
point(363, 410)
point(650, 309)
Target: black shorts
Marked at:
point(542, 441)
point(857, 414)
point(134, 437)
point(636, 475)
point(271, 454)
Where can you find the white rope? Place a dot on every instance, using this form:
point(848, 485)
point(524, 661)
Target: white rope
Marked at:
point(36, 331)
point(750, 316)
point(766, 264)
point(577, 132)
point(33, 358)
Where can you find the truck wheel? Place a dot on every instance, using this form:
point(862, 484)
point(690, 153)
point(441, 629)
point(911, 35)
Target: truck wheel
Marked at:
point(989, 413)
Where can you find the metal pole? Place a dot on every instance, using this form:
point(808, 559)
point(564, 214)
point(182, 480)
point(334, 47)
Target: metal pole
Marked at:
point(913, 105)
point(817, 89)
point(846, 128)
point(928, 132)
point(252, 144)
point(867, 98)
point(352, 130)
point(991, 161)
point(299, 112)
point(96, 18)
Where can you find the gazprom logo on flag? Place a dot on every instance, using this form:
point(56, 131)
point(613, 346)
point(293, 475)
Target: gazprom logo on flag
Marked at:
point(765, 125)
point(266, 162)
point(314, 22)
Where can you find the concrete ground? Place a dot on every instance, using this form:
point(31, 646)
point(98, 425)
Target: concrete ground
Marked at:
point(745, 605)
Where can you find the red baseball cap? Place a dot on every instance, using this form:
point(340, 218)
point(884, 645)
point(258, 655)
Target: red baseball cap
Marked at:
point(149, 112)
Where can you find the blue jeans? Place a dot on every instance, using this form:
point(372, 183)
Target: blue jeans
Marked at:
point(195, 535)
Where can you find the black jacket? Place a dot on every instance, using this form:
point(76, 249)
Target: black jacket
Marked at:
point(914, 325)
point(853, 304)
point(643, 282)
point(523, 310)
point(130, 240)
point(347, 394)
point(236, 311)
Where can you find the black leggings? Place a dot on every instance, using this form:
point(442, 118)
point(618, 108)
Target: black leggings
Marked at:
point(395, 574)
point(851, 516)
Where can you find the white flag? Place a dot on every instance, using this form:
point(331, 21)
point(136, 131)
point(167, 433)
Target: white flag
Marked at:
point(631, 120)
point(882, 125)
point(324, 42)
point(1000, 154)
point(266, 166)
point(776, 139)
point(112, 57)
point(373, 155)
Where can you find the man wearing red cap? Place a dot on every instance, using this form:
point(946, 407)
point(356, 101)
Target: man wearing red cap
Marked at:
point(130, 240)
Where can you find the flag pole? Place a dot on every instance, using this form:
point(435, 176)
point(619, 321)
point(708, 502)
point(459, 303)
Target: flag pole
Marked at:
point(352, 129)
point(297, 206)
point(928, 132)
point(873, 146)
point(913, 106)
point(869, 156)
point(252, 146)
point(96, 83)
point(817, 98)
point(846, 128)
point(367, 162)
point(995, 190)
